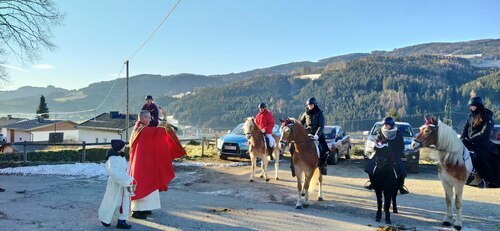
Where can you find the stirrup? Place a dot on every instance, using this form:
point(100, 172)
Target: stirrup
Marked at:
point(406, 191)
point(368, 185)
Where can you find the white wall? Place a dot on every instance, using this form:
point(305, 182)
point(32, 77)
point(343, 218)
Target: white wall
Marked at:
point(20, 136)
point(44, 135)
point(90, 136)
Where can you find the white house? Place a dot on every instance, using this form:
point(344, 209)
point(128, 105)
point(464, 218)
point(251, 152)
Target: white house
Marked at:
point(105, 127)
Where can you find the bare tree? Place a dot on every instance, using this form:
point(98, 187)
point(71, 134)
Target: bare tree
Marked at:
point(26, 28)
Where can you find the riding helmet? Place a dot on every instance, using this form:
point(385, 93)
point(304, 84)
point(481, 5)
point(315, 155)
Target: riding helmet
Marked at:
point(262, 105)
point(389, 121)
point(312, 100)
point(476, 101)
point(149, 97)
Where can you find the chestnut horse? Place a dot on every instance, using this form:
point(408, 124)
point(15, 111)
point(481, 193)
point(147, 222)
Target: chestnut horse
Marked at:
point(258, 149)
point(452, 170)
point(305, 159)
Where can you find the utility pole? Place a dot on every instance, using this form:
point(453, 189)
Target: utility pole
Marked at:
point(126, 105)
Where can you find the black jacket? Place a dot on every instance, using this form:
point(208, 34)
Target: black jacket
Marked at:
point(314, 121)
point(481, 134)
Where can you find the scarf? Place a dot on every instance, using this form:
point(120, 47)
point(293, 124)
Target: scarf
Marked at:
point(112, 152)
point(390, 134)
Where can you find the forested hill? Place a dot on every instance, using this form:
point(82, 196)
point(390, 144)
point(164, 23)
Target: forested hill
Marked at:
point(354, 96)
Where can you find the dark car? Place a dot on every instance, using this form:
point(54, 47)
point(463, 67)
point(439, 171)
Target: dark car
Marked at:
point(339, 143)
point(496, 135)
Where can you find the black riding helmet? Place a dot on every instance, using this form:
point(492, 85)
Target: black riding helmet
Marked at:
point(148, 97)
point(262, 105)
point(312, 100)
point(476, 101)
point(389, 121)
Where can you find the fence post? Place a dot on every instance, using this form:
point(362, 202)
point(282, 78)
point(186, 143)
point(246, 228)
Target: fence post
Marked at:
point(203, 146)
point(25, 153)
point(84, 151)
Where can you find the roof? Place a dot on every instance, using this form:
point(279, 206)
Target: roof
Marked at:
point(27, 125)
point(9, 120)
point(105, 121)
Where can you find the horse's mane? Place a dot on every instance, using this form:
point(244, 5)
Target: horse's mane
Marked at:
point(450, 148)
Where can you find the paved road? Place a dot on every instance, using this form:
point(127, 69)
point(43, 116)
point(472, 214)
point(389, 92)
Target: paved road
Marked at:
point(221, 198)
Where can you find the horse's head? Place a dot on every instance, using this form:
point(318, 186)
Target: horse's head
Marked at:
point(248, 127)
point(286, 129)
point(427, 137)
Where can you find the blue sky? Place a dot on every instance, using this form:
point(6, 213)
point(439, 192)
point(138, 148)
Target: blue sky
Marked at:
point(218, 37)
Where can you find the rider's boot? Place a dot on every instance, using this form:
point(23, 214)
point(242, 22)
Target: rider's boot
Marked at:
point(322, 163)
point(368, 184)
point(402, 189)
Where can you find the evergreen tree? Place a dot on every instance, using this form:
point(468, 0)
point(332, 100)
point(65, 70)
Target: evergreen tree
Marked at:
point(447, 112)
point(42, 108)
point(393, 113)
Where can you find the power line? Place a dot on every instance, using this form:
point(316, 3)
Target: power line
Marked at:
point(154, 32)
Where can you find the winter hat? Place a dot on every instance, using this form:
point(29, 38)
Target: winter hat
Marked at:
point(117, 145)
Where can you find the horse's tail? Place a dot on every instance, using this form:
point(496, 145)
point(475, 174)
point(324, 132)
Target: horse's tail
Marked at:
point(314, 181)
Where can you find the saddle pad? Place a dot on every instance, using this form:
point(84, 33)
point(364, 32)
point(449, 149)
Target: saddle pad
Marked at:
point(316, 144)
point(468, 160)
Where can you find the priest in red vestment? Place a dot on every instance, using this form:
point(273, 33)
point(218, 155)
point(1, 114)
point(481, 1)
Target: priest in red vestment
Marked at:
point(152, 150)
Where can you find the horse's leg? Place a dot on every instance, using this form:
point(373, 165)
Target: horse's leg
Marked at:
point(320, 187)
point(459, 188)
point(307, 181)
point(394, 204)
point(253, 164)
point(276, 153)
point(299, 188)
point(387, 205)
point(448, 190)
point(264, 167)
point(378, 193)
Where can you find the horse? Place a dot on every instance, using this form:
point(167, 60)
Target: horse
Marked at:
point(258, 149)
point(305, 159)
point(452, 168)
point(384, 181)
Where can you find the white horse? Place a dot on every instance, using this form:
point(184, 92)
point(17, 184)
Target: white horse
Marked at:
point(452, 168)
point(258, 149)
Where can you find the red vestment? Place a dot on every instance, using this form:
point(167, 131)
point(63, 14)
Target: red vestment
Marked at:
point(152, 150)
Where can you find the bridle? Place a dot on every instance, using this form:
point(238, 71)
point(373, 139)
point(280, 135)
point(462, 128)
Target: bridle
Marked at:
point(434, 128)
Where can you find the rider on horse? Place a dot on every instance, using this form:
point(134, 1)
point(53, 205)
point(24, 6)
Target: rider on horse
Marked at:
point(265, 121)
point(314, 122)
point(388, 134)
point(476, 136)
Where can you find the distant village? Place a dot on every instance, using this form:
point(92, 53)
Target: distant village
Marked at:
point(97, 130)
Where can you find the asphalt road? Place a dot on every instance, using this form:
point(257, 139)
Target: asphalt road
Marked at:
point(222, 198)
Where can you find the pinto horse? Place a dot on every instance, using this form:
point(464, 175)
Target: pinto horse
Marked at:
point(258, 149)
point(452, 170)
point(305, 159)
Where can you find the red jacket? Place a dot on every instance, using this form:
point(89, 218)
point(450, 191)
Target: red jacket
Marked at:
point(265, 120)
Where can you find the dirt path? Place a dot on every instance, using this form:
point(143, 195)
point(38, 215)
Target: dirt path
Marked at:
point(222, 198)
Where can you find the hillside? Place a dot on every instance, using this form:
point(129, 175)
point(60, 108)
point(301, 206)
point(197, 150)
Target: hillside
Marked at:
point(338, 70)
point(354, 96)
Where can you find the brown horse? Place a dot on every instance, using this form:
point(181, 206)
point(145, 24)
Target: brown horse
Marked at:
point(258, 149)
point(451, 165)
point(305, 159)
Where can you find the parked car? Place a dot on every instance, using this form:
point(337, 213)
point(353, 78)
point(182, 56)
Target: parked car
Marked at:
point(411, 156)
point(339, 143)
point(235, 144)
point(495, 137)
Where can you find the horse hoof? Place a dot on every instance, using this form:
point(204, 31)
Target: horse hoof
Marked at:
point(251, 180)
point(261, 176)
point(457, 227)
point(303, 194)
point(306, 205)
point(298, 207)
point(447, 223)
point(377, 219)
point(277, 178)
point(388, 222)
point(267, 180)
point(395, 211)
point(320, 198)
